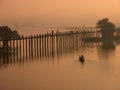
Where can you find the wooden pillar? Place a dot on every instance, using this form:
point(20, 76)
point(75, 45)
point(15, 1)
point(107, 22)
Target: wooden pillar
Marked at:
point(26, 43)
point(17, 47)
point(29, 45)
point(23, 46)
point(57, 35)
point(76, 40)
point(45, 44)
point(53, 43)
point(32, 48)
point(40, 44)
point(37, 46)
point(20, 45)
point(13, 41)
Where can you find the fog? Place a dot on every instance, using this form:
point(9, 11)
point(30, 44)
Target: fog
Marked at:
point(59, 12)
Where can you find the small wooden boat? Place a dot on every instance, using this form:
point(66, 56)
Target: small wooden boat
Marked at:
point(81, 59)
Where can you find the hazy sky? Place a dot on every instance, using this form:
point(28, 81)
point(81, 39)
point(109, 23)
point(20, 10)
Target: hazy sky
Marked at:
point(60, 11)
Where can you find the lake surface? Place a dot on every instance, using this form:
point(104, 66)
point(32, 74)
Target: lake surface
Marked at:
point(101, 71)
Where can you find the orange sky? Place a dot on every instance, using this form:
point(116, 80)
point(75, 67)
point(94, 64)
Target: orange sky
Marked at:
point(60, 11)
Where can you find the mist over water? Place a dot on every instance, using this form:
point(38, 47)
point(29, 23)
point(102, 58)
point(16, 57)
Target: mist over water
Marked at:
point(64, 71)
point(35, 69)
point(34, 65)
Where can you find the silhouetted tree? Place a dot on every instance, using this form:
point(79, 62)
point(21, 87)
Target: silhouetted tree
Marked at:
point(107, 28)
point(6, 33)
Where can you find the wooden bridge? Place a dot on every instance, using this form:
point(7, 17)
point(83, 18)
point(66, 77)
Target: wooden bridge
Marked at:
point(50, 44)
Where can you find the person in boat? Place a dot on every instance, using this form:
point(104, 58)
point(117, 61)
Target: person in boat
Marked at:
point(81, 58)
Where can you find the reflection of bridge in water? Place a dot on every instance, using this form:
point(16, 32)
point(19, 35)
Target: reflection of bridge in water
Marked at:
point(50, 45)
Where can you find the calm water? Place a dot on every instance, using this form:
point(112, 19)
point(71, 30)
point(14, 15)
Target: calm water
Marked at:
point(65, 72)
